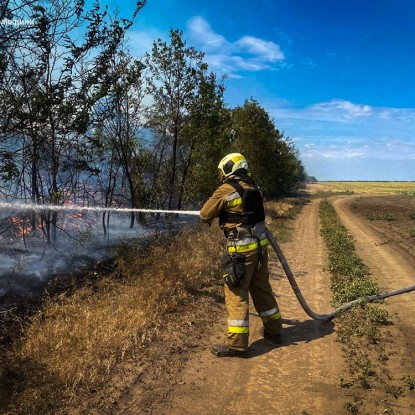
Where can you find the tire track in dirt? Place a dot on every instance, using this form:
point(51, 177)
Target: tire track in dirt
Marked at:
point(301, 376)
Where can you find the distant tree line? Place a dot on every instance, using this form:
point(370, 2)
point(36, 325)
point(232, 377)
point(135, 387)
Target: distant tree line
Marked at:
point(82, 121)
point(310, 179)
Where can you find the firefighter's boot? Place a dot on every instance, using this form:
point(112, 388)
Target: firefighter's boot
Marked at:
point(275, 338)
point(222, 350)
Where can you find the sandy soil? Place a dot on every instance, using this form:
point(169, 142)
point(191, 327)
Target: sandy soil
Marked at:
point(301, 377)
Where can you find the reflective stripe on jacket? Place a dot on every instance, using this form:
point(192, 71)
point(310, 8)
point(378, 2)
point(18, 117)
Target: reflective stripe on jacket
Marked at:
point(233, 200)
point(246, 244)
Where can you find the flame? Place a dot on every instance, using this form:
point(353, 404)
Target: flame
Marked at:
point(20, 226)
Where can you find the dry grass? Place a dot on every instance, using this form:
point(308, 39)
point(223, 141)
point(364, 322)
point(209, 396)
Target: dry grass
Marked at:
point(73, 344)
point(78, 340)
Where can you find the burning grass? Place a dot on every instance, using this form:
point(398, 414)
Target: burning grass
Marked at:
point(152, 306)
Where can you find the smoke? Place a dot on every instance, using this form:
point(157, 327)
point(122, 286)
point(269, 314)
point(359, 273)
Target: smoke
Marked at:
point(30, 258)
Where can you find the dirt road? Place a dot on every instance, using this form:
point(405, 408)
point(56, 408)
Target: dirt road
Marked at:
point(301, 377)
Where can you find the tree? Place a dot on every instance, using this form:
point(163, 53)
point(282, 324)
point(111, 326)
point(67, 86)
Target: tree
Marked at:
point(177, 74)
point(310, 179)
point(288, 173)
point(273, 160)
point(50, 85)
point(209, 133)
point(119, 119)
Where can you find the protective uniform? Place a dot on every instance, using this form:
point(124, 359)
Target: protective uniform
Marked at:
point(249, 240)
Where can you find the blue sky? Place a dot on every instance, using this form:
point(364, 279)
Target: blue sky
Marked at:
point(338, 77)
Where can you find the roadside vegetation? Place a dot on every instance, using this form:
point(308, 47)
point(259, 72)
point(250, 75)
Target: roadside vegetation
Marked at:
point(141, 311)
point(81, 338)
point(361, 331)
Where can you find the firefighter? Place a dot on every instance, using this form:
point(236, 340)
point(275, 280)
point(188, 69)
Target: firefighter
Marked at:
point(238, 204)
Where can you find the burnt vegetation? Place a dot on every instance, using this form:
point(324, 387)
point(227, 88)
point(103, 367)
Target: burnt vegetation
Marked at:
point(80, 346)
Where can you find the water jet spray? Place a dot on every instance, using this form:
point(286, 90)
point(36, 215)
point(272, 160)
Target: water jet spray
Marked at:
point(58, 208)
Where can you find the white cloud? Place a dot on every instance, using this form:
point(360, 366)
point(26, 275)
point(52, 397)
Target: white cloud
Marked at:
point(338, 112)
point(345, 109)
point(246, 64)
point(297, 139)
point(337, 153)
point(200, 29)
point(340, 131)
point(396, 149)
point(248, 53)
point(308, 62)
point(342, 149)
point(266, 50)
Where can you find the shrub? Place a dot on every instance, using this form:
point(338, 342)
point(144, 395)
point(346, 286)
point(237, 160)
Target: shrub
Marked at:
point(377, 315)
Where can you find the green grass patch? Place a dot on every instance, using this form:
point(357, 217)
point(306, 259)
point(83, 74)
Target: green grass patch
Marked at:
point(409, 381)
point(382, 215)
point(350, 276)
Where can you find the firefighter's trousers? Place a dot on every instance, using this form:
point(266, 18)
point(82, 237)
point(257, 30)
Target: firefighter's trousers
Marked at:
point(256, 282)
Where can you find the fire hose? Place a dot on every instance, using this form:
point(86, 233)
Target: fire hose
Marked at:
point(303, 302)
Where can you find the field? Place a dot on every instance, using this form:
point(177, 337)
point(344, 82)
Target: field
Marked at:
point(404, 188)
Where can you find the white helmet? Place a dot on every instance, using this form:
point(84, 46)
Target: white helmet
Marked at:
point(232, 163)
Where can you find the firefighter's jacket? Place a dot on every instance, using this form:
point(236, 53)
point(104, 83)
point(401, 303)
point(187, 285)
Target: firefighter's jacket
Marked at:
point(226, 198)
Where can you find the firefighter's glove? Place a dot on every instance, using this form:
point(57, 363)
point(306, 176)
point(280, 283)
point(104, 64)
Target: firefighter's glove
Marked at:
point(233, 269)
